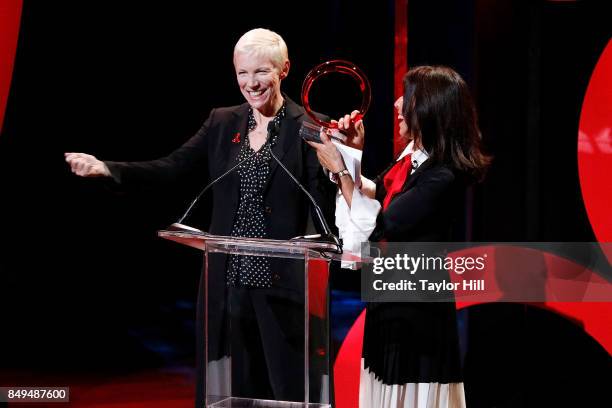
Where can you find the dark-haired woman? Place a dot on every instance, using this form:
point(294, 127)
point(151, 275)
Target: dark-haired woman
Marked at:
point(410, 350)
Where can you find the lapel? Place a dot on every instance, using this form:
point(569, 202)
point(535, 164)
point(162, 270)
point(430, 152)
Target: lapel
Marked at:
point(412, 179)
point(287, 137)
point(239, 124)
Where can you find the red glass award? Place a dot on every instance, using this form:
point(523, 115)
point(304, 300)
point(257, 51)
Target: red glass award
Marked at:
point(310, 131)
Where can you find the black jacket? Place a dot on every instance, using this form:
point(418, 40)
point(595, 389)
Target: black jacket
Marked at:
point(213, 150)
point(430, 200)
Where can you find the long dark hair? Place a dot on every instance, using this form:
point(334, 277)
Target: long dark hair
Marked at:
point(442, 119)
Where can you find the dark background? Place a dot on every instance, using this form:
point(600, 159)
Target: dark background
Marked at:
point(86, 285)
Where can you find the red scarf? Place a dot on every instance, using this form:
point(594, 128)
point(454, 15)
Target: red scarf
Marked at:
point(396, 177)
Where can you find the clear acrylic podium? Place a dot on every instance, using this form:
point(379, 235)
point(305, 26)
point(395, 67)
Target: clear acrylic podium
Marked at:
point(264, 346)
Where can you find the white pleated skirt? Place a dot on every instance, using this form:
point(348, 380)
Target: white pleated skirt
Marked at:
point(374, 394)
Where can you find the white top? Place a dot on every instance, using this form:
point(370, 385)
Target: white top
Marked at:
point(418, 157)
point(355, 224)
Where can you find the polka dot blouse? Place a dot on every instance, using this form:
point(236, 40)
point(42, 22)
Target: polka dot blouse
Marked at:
point(245, 270)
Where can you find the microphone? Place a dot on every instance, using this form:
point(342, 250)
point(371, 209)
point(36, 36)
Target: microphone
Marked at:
point(327, 234)
point(179, 223)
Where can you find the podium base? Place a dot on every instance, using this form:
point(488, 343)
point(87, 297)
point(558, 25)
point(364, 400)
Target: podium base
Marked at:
point(233, 402)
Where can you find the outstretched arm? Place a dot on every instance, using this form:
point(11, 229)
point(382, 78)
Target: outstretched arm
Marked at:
point(141, 174)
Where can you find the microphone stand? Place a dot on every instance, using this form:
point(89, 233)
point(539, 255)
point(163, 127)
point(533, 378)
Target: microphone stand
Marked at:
point(179, 223)
point(328, 236)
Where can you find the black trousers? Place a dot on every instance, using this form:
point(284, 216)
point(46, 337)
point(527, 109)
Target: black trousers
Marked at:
point(262, 329)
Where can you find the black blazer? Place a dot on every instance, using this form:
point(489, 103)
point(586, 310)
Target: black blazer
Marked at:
point(214, 149)
point(426, 207)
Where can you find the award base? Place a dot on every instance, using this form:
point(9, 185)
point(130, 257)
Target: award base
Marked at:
point(311, 132)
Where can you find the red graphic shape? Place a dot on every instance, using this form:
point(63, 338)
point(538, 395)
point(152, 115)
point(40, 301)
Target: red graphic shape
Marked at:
point(595, 148)
point(10, 16)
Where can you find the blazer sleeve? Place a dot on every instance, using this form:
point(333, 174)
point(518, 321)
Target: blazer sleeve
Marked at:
point(410, 209)
point(165, 170)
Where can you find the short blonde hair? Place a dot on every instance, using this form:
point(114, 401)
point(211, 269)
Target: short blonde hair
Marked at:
point(263, 42)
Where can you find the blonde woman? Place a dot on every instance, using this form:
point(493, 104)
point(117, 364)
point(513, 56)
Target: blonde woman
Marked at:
point(257, 201)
